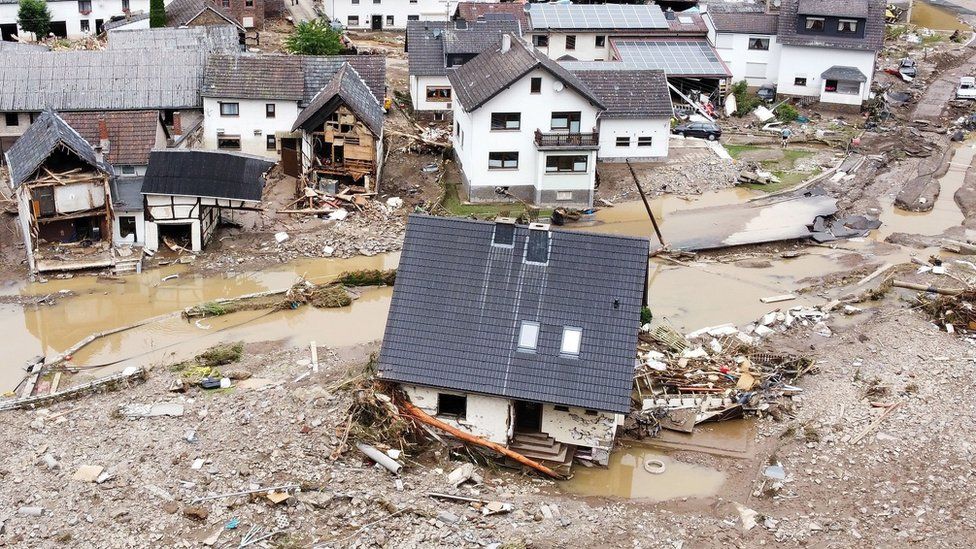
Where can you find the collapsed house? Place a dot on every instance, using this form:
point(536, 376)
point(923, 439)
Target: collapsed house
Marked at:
point(520, 335)
point(187, 191)
point(342, 134)
point(64, 198)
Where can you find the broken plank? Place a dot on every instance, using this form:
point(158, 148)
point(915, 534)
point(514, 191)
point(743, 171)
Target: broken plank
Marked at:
point(777, 298)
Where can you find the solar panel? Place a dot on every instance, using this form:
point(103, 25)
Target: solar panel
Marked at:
point(675, 57)
point(596, 16)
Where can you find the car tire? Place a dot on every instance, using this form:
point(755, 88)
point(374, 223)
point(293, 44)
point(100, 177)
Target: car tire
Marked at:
point(711, 137)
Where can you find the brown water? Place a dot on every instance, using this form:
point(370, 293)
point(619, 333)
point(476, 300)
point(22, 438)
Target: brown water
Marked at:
point(936, 18)
point(626, 477)
point(100, 306)
point(944, 214)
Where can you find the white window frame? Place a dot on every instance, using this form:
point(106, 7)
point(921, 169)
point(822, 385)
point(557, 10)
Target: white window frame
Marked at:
point(528, 339)
point(807, 25)
point(571, 342)
point(852, 23)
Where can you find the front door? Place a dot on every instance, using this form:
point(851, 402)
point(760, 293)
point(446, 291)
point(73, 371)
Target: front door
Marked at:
point(528, 417)
point(289, 156)
point(377, 23)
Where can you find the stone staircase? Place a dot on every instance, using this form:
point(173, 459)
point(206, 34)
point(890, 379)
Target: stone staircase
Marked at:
point(127, 265)
point(544, 449)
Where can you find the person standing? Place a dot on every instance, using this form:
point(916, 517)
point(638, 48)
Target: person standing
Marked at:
point(785, 136)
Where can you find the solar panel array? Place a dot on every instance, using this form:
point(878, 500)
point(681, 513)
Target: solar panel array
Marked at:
point(675, 57)
point(596, 16)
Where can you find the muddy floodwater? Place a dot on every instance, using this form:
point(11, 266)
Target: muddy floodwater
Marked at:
point(104, 305)
point(936, 18)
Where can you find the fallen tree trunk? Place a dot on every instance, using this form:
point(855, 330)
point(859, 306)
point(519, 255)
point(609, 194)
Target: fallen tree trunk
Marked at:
point(924, 288)
point(423, 417)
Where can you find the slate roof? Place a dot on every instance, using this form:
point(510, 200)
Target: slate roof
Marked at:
point(429, 42)
point(6, 46)
point(834, 8)
point(213, 174)
point(346, 85)
point(319, 70)
point(250, 76)
point(47, 133)
point(131, 134)
point(458, 303)
point(127, 194)
point(181, 12)
point(212, 39)
point(630, 94)
point(873, 33)
point(101, 80)
point(472, 11)
point(491, 71)
point(477, 36)
point(848, 74)
point(745, 23)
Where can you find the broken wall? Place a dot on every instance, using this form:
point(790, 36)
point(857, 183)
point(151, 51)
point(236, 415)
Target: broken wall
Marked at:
point(577, 427)
point(487, 417)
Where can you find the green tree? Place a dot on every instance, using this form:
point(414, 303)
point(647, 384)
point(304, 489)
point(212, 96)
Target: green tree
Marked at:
point(316, 37)
point(157, 13)
point(34, 17)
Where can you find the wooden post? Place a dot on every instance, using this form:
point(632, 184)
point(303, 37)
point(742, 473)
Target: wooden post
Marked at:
point(647, 205)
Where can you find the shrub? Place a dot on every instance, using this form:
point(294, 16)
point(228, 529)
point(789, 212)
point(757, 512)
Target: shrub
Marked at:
point(786, 113)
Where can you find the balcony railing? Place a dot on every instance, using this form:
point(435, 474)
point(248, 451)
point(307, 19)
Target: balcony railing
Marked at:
point(567, 140)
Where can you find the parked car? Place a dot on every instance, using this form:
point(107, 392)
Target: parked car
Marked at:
point(705, 130)
point(907, 68)
point(767, 93)
point(967, 88)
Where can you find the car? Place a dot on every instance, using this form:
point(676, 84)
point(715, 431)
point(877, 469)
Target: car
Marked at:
point(967, 88)
point(707, 130)
point(767, 93)
point(907, 68)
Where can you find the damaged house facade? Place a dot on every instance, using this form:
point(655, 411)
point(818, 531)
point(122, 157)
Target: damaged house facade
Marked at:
point(64, 199)
point(541, 356)
point(187, 191)
point(70, 18)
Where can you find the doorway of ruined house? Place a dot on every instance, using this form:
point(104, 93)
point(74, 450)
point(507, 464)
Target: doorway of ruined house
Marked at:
point(289, 156)
point(377, 22)
point(528, 417)
point(180, 234)
point(80, 229)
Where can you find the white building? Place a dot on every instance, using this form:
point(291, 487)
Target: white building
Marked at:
point(435, 47)
point(524, 126)
point(387, 14)
point(522, 365)
point(70, 18)
point(825, 49)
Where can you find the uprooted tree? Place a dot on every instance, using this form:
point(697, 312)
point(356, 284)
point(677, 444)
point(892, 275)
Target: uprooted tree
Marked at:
point(316, 37)
point(34, 17)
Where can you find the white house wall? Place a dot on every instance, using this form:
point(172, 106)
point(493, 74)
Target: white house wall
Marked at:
point(23, 122)
point(487, 417)
point(756, 67)
point(659, 130)
point(67, 11)
point(400, 10)
point(78, 197)
point(251, 124)
point(800, 61)
point(418, 93)
point(536, 113)
point(140, 237)
point(586, 48)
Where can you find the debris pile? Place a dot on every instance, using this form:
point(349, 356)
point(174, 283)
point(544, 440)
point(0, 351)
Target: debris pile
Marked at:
point(326, 201)
point(713, 374)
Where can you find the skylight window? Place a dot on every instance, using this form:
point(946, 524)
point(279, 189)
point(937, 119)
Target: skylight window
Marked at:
point(537, 247)
point(571, 341)
point(528, 336)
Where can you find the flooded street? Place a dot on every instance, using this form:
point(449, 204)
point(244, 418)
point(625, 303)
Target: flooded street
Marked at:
point(102, 305)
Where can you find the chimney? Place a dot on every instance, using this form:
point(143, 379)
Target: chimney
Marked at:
point(177, 124)
point(103, 142)
point(506, 42)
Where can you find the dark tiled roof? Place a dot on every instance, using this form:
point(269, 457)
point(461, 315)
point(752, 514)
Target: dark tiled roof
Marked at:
point(630, 94)
point(319, 71)
point(48, 132)
point(131, 134)
point(485, 76)
point(687, 23)
point(127, 194)
point(250, 76)
point(428, 42)
point(834, 8)
point(458, 303)
point(213, 174)
point(848, 74)
point(425, 48)
point(873, 32)
point(181, 12)
point(751, 23)
point(472, 11)
point(123, 21)
point(348, 88)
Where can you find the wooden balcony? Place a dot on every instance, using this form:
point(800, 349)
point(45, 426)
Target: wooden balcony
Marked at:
point(568, 141)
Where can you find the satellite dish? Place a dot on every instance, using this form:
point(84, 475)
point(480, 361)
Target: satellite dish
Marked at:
point(557, 85)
